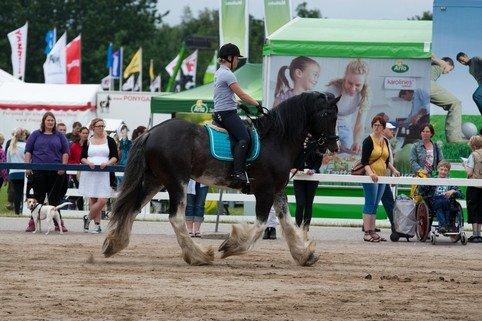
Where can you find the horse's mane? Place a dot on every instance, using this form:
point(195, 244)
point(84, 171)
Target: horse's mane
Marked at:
point(290, 118)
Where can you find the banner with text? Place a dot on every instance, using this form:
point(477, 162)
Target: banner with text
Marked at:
point(277, 13)
point(234, 24)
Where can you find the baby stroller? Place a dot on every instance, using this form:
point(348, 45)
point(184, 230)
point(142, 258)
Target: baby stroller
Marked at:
point(426, 227)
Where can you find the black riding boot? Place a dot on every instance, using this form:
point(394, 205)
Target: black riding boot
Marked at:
point(239, 162)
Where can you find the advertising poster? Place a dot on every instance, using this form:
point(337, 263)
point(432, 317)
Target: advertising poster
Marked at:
point(456, 27)
point(397, 89)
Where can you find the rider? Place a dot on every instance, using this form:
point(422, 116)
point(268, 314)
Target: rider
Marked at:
point(225, 107)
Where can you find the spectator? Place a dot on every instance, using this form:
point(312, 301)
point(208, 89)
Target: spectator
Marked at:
point(47, 146)
point(138, 132)
point(75, 156)
point(76, 128)
point(425, 154)
point(10, 191)
point(196, 197)
point(305, 190)
point(124, 147)
point(62, 128)
point(99, 150)
point(376, 159)
point(473, 166)
point(441, 198)
point(3, 158)
point(387, 199)
point(16, 177)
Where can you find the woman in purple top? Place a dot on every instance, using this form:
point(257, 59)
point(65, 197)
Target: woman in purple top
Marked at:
point(47, 146)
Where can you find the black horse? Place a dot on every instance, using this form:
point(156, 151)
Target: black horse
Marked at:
point(174, 151)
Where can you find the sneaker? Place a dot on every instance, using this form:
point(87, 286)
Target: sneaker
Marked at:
point(86, 223)
point(96, 230)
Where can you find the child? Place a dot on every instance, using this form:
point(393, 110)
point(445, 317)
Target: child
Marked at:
point(352, 107)
point(473, 166)
point(304, 72)
point(441, 199)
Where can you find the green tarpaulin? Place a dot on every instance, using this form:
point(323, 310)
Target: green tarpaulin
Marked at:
point(200, 99)
point(351, 38)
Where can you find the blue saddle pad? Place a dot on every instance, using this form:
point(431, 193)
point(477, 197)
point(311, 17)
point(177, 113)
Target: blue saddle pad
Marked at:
point(220, 145)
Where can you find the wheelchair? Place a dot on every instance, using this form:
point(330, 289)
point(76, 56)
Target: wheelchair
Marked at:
point(427, 229)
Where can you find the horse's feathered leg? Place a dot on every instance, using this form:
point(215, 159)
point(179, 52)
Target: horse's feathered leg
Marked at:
point(243, 236)
point(191, 252)
point(301, 247)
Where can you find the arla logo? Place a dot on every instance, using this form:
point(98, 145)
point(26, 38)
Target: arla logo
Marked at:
point(199, 107)
point(399, 67)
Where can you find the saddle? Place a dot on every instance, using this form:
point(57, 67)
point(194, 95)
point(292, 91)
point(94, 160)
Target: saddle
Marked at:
point(220, 143)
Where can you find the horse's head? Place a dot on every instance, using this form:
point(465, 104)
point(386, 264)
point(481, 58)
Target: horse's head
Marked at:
point(322, 122)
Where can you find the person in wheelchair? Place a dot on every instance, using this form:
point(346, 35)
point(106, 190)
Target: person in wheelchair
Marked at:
point(441, 200)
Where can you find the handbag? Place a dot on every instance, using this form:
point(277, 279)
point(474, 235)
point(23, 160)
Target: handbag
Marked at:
point(359, 169)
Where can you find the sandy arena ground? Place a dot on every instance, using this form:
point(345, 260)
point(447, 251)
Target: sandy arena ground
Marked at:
point(54, 278)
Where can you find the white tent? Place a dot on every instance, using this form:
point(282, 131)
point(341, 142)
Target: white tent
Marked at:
point(6, 77)
point(23, 104)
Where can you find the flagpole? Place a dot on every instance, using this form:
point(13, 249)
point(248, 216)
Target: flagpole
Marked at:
point(80, 58)
point(140, 73)
point(121, 67)
point(23, 67)
point(55, 35)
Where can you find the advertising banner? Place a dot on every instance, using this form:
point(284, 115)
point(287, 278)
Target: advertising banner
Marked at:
point(18, 42)
point(396, 89)
point(456, 27)
point(277, 13)
point(234, 24)
point(55, 69)
point(73, 57)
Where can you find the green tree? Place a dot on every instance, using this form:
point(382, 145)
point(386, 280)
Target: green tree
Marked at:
point(426, 15)
point(303, 11)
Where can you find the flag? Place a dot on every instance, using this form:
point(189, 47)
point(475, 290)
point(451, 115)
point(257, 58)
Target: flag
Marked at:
point(135, 65)
point(170, 67)
point(234, 24)
point(156, 84)
point(137, 85)
point(189, 66)
point(105, 82)
point(151, 70)
point(18, 42)
point(211, 69)
point(109, 60)
point(73, 57)
point(277, 13)
point(116, 64)
point(129, 84)
point(54, 66)
point(50, 40)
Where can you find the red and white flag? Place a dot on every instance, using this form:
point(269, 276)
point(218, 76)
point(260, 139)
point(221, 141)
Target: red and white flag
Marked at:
point(73, 56)
point(189, 66)
point(18, 42)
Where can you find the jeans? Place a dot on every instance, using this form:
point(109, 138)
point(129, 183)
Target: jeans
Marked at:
point(18, 194)
point(373, 193)
point(477, 97)
point(195, 204)
point(304, 194)
point(389, 204)
point(441, 207)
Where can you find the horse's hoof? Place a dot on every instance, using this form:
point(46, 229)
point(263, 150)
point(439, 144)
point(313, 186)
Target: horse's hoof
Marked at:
point(108, 248)
point(224, 246)
point(312, 259)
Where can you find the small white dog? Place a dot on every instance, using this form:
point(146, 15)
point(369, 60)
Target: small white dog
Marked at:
point(42, 212)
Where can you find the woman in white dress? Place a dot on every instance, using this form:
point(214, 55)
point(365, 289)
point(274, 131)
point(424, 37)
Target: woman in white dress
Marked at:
point(101, 150)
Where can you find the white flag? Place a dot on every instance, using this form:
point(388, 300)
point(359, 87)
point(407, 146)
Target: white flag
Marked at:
point(105, 82)
point(170, 68)
point(129, 84)
point(18, 42)
point(156, 84)
point(189, 66)
point(55, 68)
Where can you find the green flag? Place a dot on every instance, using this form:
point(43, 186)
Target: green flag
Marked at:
point(234, 24)
point(209, 74)
point(277, 13)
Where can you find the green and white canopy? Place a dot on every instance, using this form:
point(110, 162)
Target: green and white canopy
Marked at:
point(200, 99)
point(351, 38)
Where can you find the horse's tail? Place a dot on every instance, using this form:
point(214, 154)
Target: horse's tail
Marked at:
point(129, 201)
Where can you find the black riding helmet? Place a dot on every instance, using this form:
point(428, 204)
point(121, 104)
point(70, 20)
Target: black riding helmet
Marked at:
point(227, 50)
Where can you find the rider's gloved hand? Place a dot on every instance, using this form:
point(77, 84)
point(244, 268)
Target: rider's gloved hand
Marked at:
point(259, 108)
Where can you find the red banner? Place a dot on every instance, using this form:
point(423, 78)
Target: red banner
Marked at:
point(73, 57)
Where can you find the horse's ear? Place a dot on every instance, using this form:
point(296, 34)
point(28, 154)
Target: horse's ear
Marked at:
point(334, 101)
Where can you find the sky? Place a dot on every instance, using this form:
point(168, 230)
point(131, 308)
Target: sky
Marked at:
point(341, 9)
